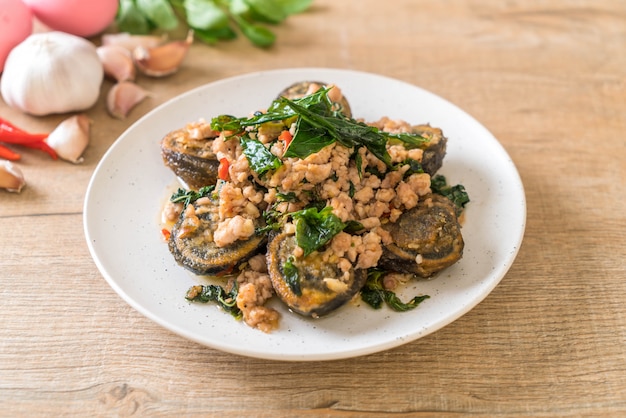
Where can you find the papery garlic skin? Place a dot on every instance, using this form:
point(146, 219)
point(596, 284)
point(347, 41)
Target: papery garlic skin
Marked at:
point(70, 138)
point(11, 177)
point(52, 72)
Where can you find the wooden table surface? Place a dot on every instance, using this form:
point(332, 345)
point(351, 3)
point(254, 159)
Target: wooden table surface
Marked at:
point(547, 78)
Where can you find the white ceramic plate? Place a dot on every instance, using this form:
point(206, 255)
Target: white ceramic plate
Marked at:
point(124, 196)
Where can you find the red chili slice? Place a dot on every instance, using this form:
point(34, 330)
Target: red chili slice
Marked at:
point(285, 136)
point(222, 171)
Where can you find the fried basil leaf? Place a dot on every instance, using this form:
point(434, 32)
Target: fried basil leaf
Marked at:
point(415, 167)
point(226, 123)
point(456, 194)
point(409, 140)
point(286, 197)
point(292, 278)
point(214, 293)
point(315, 228)
point(260, 159)
point(374, 294)
point(352, 227)
point(189, 196)
point(309, 140)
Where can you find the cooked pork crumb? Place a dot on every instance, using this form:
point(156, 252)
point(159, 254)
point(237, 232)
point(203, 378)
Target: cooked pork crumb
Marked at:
point(232, 229)
point(255, 289)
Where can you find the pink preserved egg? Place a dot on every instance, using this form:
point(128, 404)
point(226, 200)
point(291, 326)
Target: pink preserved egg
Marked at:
point(77, 17)
point(16, 21)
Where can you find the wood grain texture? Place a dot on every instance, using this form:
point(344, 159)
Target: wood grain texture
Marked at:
point(548, 78)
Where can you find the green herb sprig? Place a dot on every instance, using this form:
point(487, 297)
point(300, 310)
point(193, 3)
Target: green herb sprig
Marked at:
point(261, 160)
point(189, 196)
point(211, 20)
point(217, 294)
point(374, 294)
point(292, 277)
point(315, 228)
point(457, 193)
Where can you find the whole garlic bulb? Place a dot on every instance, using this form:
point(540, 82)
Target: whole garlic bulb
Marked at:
point(52, 72)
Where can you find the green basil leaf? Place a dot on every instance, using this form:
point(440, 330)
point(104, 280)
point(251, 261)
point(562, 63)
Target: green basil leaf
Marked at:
point(415, 167)
point(375, 172)
point(273, 221)
point(358, 160)
point(314, 229)
point(205, 14)
point(292, 277)
point(189, 196)
point(410, 140)
point(352, 190)
point(238, 7)
point(374, 294)
point(394, 302)
point(214, 293)
point(225, 123)
point(286, 197)
point(268, 9)
point(212, 36)
point(292, 7)
point(307, 140)
point(159, 12)
point(372, 297)
point(438, 183)
point(353, 227)
point(258, 35)
point(260, 159)
point(130, 19)
point(457, 194)
point(316, 203)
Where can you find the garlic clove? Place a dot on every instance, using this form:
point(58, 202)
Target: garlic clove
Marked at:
point(131, 42)
point(164, 59)
point(123, 96)
point(70, 138)
point(11, 177)
point(117, 62)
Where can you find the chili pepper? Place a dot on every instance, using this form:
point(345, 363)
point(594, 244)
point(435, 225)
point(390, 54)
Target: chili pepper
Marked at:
point(8, 154)
point(285, 136)
point(222, 171)
point(14, 135)
point(5, 125)
point(11, 134)
point(43, 146)
point(17, 137)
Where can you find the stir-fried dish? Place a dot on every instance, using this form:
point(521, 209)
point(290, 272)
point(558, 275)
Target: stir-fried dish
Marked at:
point(304, 202)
